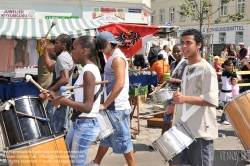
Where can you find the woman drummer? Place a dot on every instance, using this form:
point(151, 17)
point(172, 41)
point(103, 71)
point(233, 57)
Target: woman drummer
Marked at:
point(85, 129)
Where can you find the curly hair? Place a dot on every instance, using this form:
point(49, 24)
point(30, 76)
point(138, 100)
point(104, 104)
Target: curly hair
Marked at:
point(198, 37)
point(64, 38)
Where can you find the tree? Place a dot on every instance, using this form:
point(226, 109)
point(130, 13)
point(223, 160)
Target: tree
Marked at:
point(203, 11)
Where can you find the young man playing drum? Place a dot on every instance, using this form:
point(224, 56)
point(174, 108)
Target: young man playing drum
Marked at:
point(177, 67)
point(199, 95)
point(62, 76)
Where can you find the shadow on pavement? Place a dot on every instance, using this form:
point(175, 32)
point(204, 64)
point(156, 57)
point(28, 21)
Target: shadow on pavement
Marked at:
point(226, 132)
point(142, 147)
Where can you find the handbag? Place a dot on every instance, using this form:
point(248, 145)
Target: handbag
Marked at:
point(76, 113)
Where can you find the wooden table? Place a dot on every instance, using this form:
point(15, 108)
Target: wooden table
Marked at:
point(134, 102)
point(238, 73)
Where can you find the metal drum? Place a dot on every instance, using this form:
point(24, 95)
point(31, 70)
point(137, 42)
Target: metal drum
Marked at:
point(17, 128)
point(173, 141)
point(106, 128)
point(164, 94)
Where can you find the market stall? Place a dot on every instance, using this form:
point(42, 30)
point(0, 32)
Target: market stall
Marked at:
point(19, 44)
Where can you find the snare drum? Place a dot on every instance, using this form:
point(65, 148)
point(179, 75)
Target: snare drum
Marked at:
point(164, 94)
point(17, 128)
point(106, 128)
point(239, 116)
point(40, 152)
point(173, 141)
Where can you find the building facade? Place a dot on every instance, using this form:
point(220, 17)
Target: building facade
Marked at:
point(166, 12)
point(122, 11)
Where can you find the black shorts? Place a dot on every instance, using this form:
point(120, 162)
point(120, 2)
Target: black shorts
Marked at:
point(200, 153)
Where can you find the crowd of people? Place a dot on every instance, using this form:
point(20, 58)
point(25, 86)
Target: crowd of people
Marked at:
point(190, 73)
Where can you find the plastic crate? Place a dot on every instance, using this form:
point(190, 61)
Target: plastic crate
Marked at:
point(138, 91)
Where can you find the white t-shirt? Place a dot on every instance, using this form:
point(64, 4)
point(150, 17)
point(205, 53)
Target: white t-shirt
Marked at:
point(165, 55)
point(79, 92)
point(201, 80)
point(33, 53)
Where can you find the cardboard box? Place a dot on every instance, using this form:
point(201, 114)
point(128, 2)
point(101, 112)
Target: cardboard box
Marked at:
point(141, 99)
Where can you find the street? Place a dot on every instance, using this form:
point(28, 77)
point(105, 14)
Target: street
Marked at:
point(227, 147)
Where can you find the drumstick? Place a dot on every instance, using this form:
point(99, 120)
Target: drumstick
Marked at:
point(161, 85)
point(29, 78)
point(156, 113)
point(53, 24)
point(173, 117)
point(36, 117)
point(65, 88)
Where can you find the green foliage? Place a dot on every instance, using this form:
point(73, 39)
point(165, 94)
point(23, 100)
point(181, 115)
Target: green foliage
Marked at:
point(202, 12)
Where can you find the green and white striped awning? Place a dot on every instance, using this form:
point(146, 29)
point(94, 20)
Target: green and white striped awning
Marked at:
point(37, 28)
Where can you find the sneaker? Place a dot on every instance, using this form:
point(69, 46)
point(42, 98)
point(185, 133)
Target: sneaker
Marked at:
point(225, 122)
point(92, 164)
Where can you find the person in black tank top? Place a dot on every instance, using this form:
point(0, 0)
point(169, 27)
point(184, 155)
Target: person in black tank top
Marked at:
point(232, 53)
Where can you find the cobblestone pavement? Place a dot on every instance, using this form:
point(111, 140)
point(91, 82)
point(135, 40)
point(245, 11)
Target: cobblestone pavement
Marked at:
point(226, 147)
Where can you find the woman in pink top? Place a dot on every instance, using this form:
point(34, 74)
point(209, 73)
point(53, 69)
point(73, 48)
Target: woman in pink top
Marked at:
point(235, 87)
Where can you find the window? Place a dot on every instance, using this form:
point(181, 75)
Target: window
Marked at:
point(162, 15)
point(182, 16)
point(239, 37)
point(223, 8)
point(222, 37)
point(171, 14)
point(205, 12)
point(194, 9)
point(153, 17)
point(241, 6)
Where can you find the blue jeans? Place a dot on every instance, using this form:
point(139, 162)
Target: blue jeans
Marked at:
point(120, 141)
point(224, 116)
point(82, 133)
point(59, 117)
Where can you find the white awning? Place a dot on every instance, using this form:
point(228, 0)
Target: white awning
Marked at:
point(37, 28)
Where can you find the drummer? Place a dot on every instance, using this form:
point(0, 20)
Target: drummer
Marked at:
point(85, 129)
point(176, 70)
point(62, 73)
point(200, 85)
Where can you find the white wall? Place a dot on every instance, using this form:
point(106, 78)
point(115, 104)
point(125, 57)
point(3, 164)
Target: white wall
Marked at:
point(230, 33)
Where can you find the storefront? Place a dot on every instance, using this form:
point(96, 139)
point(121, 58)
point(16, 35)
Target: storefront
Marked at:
point(228, 33)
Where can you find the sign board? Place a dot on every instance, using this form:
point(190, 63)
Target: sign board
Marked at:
point(62, 17)
point(134, 10)
point(17, 13)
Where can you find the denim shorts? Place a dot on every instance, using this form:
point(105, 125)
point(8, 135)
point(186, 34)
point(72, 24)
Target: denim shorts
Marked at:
point(81, 134)
point(59, 117)
point(120, 141)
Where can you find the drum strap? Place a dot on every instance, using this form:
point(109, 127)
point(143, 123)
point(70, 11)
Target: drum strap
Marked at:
point(76, 113)
point(178, 65)
point(186, 114)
